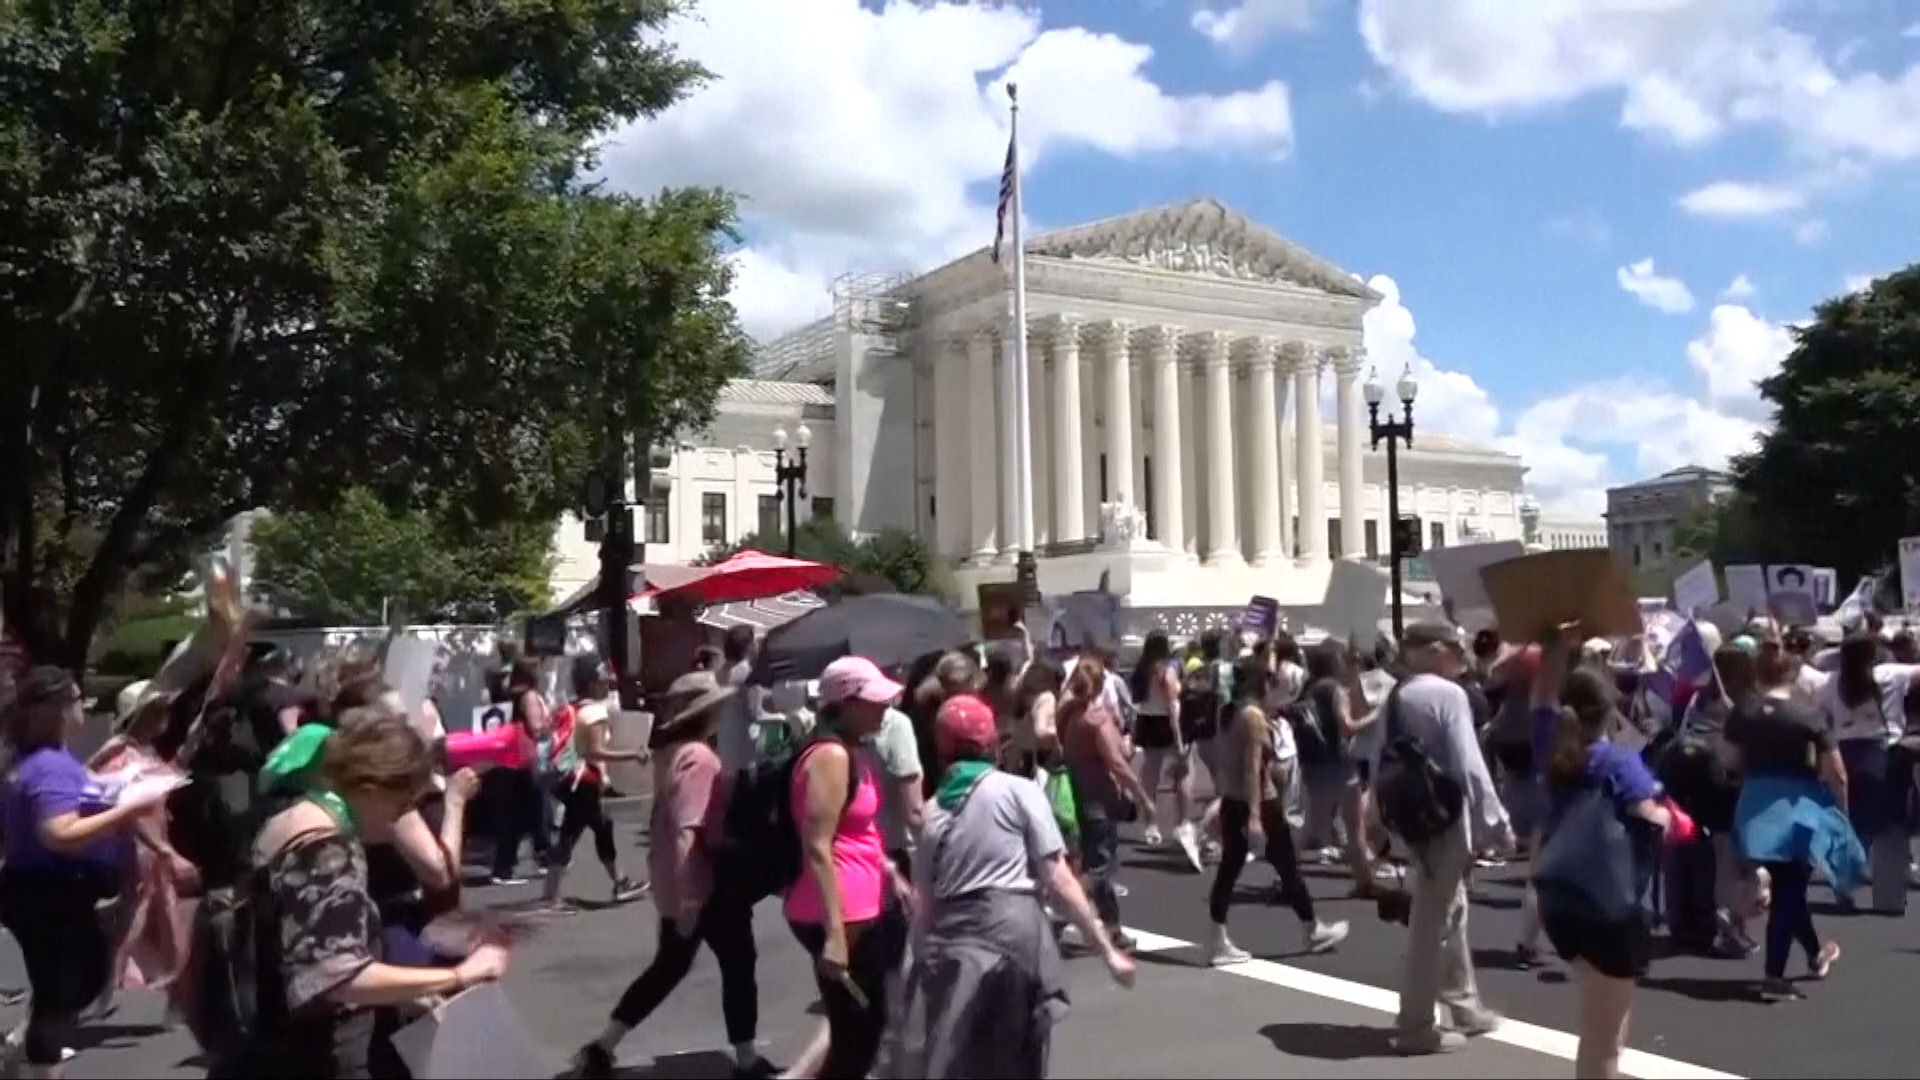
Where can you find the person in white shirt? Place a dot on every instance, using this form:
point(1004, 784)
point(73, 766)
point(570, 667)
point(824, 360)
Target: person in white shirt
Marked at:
point(1864, 704)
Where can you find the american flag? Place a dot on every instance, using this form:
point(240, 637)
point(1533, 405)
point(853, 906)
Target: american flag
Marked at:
point(1008, 176)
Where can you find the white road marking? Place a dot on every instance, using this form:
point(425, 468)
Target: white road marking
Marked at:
point(1540, 1040)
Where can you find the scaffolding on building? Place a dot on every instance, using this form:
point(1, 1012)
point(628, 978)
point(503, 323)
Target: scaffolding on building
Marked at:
point(873, 305)
point(794, 355)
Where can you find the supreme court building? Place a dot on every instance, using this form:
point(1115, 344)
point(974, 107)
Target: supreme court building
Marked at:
point(1198, 430)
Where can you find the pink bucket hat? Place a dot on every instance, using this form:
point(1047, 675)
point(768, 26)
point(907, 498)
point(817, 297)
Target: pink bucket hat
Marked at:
point(856, 677)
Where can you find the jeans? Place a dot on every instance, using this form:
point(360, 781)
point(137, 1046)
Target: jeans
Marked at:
point(726, 928)
point(1100, 857)
point(1235, 817)
point(521, 810)
point(50, 913)
point(856, 1022)
point(1439, 961)
point(1789, 920)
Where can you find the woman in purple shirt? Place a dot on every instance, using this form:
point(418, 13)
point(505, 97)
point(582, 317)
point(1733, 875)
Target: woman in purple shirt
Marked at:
point(68, 846)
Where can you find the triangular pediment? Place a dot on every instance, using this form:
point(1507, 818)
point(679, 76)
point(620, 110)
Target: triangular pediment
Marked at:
point(1199, 237)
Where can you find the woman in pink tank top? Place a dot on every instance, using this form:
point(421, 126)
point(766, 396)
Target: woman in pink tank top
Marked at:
point(845, 906)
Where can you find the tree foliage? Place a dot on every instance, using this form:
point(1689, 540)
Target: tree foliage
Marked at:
point(1725, 530)
point(361, 564)
point(893, 560)
point(257, 255)
point(1835, 479)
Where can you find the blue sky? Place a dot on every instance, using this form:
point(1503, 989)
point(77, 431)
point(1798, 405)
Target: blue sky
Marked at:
point(1510, 166)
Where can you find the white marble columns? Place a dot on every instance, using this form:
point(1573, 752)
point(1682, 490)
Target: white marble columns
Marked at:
point(1067, 458)
point(1263, 450)
point(1230, 477)
point(1223, 527)
point(1303, 364)
point(1346, 364)
point(1162, 347)
point(983, 464)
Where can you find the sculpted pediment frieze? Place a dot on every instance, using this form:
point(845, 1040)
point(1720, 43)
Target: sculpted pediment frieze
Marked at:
point(1201, 237)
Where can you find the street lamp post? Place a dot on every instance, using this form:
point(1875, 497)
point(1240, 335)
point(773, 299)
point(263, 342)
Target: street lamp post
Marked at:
point(1393, 433)
point(791, 477)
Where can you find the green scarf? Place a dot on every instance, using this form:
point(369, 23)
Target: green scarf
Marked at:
point(337, 809)
point(959, 782)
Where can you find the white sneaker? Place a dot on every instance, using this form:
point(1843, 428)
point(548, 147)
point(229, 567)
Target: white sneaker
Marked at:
point(1152, 837)
point(1224, 953)
point(1188, 838)
point(1325, 937)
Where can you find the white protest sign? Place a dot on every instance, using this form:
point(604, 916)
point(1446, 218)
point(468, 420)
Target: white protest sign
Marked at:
point(1826, 587)
point(476, 1033)
point(1355, 602)
point(488, 717)
point(409, 670)
point(1747, 587)
point(1696, 589)
point(1790, 593)
point(1910, 573)
point(1457, 570)
point(629, 731)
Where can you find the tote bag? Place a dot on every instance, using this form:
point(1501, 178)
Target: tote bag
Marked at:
point(1586, 866)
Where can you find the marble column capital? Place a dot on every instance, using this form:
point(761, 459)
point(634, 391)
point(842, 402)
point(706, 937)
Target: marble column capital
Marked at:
point(1110, 334)
point(1159, 341)
point(1256, 353)
point(1057, 330)
point(1299, 358)
point(1209, 348)
point(1346, 362)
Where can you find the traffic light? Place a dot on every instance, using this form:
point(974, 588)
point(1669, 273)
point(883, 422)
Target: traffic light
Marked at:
point(1406, 536)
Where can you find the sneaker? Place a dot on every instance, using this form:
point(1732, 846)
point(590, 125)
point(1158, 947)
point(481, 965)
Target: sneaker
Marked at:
point(760, 1069)
point(1476, 1024)
point(1525, 956)
point(592, 1062)
point(1431, 1041)
point(627, 890)
point(1188, 838)
point(1119, 890)
point(1224, 952)
point(510, 879)
point(1772, 990)
point(1821, 965)
point(1325, 937)
point(1152, 837)
point(559, 905)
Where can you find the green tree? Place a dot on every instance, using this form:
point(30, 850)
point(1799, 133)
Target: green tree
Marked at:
point(1835, 480)
point(255, 255)
point(1725, 530)
point(892, 560)
point(361, 562)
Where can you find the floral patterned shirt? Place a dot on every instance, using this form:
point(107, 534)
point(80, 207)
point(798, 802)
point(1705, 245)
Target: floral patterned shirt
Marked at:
point(329, 926)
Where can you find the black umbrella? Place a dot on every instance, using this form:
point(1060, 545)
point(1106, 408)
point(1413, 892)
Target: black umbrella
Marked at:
point(890, 629)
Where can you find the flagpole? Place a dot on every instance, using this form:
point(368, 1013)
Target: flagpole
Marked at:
point(1022, 523)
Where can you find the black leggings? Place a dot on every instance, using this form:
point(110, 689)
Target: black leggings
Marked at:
point(854, 1027)
point(64, 947)
point(581, 810)
point(1235, 816)
point(726, 928)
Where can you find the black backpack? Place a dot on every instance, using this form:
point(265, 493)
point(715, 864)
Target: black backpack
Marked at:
point(239, 996)
point(758, 853)
point(1309, 733)
point(1201, 700)
point(1418, 802)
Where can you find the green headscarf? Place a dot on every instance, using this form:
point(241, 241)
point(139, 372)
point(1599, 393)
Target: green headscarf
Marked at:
point(288, 769)
point(959, 783)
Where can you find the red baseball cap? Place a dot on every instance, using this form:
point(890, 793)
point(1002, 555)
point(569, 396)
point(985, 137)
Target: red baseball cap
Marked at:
point(965, 721)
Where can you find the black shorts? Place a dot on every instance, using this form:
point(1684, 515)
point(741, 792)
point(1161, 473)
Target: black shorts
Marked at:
point(1618, 950)
point(1153, 731)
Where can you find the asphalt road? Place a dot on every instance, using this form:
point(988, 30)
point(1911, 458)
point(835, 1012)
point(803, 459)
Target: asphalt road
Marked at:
point(1283, 1014)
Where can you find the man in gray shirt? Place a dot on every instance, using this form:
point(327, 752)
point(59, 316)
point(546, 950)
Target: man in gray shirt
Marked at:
point(1432, 709)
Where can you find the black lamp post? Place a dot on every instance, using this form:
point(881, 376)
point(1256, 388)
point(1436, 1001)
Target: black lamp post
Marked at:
point(1393, 433)
point(791, 477)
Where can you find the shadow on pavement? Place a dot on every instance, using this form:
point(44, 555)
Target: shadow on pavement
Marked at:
point(697, 1065)
point(1330, 1042)
point(1700, 989)
point(88, 1036)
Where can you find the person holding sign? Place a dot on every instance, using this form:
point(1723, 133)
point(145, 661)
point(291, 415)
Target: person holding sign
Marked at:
point(69, 846)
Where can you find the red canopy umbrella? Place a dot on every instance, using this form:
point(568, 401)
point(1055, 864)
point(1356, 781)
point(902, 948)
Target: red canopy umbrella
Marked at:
point(748, 575)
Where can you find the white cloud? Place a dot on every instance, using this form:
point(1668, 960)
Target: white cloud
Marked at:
point(1859, 282)
point(1683, 70)
point(1729, 199)
point(1740, 288)
point(1657, 291)
point(1571, 440)
point(1811, 231)
point(870, 139)
point(1246, 23)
